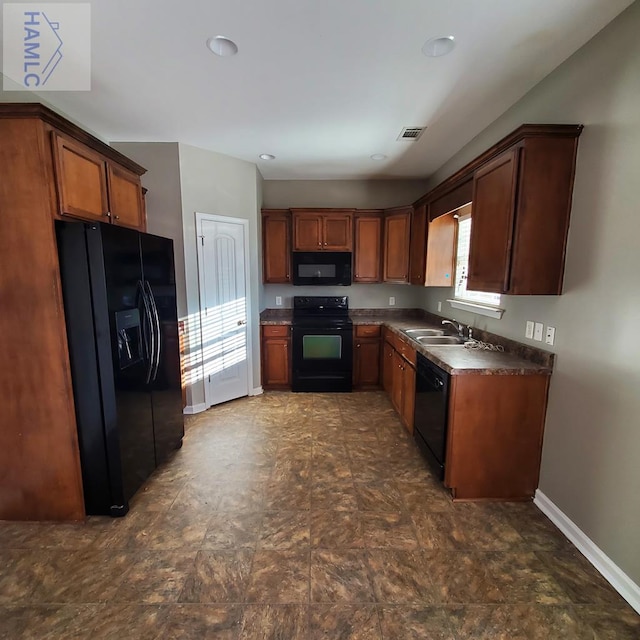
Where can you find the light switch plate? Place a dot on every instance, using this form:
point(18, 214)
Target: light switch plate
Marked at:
point(392, 301)
point(278, 301)
point(529, 330)
point(537, 332)
point(439, 306)
point(550, 336)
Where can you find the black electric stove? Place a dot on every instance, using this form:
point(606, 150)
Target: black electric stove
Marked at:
point(322, 344)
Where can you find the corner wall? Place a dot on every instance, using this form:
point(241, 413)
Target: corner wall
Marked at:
point(220, 185)
point(590, 466)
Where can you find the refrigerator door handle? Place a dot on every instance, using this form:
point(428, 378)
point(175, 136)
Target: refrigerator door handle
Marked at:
point(156, 317)
point(151, 348)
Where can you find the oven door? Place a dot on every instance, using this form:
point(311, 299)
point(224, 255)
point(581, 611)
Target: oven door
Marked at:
point(322, 358)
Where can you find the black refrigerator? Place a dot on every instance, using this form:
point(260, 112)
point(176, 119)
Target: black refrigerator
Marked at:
point(122, 329)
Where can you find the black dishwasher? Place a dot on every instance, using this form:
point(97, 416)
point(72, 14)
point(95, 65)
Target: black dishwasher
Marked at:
point(431, 412)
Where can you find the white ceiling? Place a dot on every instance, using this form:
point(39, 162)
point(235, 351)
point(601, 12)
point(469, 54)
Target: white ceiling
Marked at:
point(322, 84)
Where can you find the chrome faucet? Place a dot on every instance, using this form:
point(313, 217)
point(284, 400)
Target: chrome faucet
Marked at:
point(458, 326)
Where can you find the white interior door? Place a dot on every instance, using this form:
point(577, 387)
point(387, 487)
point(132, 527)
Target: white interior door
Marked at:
point(222, 252)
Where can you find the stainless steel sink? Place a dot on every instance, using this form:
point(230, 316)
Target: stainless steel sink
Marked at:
point(415, 333)
point(439, 340)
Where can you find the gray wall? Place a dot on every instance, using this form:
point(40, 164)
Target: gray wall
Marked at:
point(590, 467)
point(361, 296)
point(218, 184)
point(164, 199)
point(358, 194)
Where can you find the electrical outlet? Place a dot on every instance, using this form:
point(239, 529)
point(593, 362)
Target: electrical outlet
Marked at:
point(278, 301)
point(392, 301)
point(537, 331)
point(439, 306)
point(529, 331)
point(551, 335)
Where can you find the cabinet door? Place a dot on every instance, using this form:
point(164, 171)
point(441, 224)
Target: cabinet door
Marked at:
point(387, 367)
point(418, 245)
point(337, 232)
point(125, 198)
point(81, 180)
point(368, 243)
point(396, 247)
point(494, 192)
point(408, 395)
point(276, 234)
point(307, 232)
point(397, 385)
point(441, 251)
point(366, 363)
point(276, 362)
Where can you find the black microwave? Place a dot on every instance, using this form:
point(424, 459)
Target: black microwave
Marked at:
point(322, 268)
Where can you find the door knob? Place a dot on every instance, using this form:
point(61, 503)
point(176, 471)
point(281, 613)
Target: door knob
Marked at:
point(241, 322)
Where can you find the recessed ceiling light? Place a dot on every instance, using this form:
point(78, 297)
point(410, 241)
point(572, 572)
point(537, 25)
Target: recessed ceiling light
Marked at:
point(436, 47)
point(378, 156)
point(266, 156)
point(222, 46)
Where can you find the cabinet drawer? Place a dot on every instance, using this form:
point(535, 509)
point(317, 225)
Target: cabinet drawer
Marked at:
point(273, 330)
point(367, 331)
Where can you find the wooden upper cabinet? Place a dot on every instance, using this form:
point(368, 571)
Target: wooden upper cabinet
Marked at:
point(418, 245)
point(322, 229)
point(494, 193)
point(441, 249)
point(397, 226)
point(367, 263)
point(92, 187)
point(521, 209)
point(276, 238)
point(126, 201)
point(82, 180)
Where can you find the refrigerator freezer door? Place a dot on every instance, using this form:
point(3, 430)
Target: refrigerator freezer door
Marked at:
point(116, 270)
point(166, 384)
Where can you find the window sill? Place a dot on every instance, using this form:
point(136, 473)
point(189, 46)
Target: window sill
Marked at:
point(477, 307)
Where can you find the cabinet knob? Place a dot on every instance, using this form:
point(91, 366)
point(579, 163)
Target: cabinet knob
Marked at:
point(117, 217)
point(107, 214)
point(358, 346)
point(325, 244)
point(319, 244)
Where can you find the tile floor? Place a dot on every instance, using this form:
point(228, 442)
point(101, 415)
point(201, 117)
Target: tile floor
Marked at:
point(303, 516)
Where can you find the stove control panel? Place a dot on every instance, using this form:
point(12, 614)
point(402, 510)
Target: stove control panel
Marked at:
point(321, 302)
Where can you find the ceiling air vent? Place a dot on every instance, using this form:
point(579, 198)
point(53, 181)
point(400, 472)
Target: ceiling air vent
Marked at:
point(411, 133)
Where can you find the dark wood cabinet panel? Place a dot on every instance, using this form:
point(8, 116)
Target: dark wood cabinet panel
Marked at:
point(441, 250)
point(276, 358)
point(322, 229)
point(418, 245)
point(367, 263)
point(387, 367)
point(408, 395)
point(495, 433)
point(276, 247)
point(457, 196)
point(366, 362)
point(494, 193)
point(125, 198)
point(81, 180)
point(541, 222)
point(39, 455)
point(397, 227)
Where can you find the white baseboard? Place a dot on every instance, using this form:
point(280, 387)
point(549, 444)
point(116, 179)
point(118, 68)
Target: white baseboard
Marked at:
point(618, 579)
point(256, 392)
point(190, 409)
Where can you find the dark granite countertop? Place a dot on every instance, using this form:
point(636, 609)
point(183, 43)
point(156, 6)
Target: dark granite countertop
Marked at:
point(517, 358)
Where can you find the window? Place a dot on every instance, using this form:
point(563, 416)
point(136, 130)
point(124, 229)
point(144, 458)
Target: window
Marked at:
point(462, 266)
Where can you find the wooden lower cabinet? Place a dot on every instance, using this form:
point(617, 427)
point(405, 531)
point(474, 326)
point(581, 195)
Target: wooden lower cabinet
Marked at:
point(366, 357)
point(494, 442)
point(399, 377)
point(276, 357)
